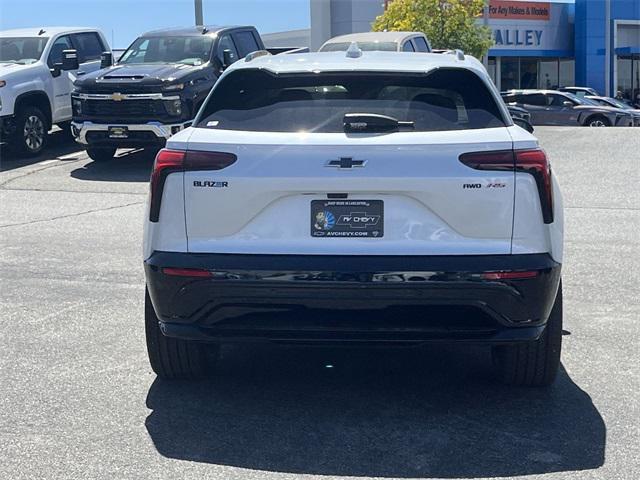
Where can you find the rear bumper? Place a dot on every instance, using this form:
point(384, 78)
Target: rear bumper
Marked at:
point(352, 298)
point(140, 135)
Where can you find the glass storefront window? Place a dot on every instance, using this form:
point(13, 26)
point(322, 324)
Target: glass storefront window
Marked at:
point(528, 73)
point(491, 68)
point(532, 72)
point(636, 81)
point(548, 74)
point(509, 73)
point(567, 72)
point(628, 74)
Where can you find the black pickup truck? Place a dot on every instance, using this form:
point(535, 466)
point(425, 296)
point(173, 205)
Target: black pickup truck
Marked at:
point(156, 87)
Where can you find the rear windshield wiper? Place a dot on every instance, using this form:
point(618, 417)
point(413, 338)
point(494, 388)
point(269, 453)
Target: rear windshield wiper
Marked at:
point(373, 122)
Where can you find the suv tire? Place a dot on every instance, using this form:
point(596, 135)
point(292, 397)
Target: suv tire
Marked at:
point(533, 364)
point(101, 154)
point(31, 133)
point(172, 358)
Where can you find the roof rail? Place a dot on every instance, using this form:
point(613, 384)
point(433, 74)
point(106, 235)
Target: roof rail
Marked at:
point(256, 54)
point(457, 52)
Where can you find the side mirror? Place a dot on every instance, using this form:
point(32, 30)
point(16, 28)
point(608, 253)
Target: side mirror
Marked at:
point(106, 59)
point(227, 59)
point(70, 60)
point(522, 123)
point(568, 104)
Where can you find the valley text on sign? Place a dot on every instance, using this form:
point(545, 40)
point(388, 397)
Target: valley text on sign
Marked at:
point(519, 10)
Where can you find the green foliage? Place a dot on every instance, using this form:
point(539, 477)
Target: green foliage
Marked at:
point(448, 24)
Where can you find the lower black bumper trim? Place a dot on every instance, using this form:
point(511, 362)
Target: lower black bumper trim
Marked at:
point(203, 334)
point(352, 298)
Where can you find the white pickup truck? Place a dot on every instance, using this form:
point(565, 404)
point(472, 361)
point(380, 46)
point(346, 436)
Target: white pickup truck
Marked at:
point(37, 70)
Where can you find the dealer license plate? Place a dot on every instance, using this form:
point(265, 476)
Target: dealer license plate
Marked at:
point(118, 132)
point(347, 218)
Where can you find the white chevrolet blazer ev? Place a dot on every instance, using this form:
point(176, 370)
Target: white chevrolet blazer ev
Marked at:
point(354, 197)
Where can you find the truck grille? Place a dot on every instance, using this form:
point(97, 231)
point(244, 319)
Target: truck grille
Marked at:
point(138, 109)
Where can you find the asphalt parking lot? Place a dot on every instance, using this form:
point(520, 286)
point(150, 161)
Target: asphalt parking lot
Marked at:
point(78, 398)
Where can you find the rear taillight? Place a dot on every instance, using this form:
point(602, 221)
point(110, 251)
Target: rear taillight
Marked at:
point(498, 160)
point(170, 161)
point(167, 161)
point(533, 162)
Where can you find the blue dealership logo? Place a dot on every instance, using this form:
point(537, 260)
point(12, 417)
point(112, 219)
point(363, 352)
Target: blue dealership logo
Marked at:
point(325, 220)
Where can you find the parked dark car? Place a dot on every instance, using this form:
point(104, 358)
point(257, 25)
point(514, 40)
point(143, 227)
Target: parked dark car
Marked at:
point(519, 112)
point(521, 117)
point(155, 88)
point(551, 107)
point(614, 102)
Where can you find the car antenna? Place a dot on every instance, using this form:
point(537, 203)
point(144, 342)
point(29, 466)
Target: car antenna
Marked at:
point(42, 30)
point(205, 30)
point(354, 50)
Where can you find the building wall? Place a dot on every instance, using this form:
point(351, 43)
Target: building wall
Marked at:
point(591, 44)
point(330, 18)
point(596, 31)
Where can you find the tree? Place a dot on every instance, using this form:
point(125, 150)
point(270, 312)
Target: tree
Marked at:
point(448, 24)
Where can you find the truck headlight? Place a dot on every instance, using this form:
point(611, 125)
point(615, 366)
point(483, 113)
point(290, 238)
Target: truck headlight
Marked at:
point(177, 86)
point(173, 107)
point(76, 104)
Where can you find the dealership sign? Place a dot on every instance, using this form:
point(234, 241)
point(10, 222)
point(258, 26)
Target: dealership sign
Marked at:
point(519, 10)
point(539, 26)
point(517, 37)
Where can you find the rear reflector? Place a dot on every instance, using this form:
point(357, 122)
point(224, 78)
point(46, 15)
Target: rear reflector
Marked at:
point(170, 161)
point(186, 272)
point(533, 162)
point(509, 275)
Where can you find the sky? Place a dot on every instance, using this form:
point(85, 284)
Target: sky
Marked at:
point(123, 20)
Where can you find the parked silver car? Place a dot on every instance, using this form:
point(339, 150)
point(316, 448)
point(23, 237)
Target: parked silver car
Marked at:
point(551, 107)
point(614, 102)
point(380, 41)
point(579, 91)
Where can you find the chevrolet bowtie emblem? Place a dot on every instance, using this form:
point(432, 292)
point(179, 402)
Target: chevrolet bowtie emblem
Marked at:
point(346, 162)
point(117, 97)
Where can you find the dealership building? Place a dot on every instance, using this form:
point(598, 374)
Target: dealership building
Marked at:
point(592, 43)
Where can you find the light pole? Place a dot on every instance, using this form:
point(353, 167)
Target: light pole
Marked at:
point(485, 22)
point(198, 10)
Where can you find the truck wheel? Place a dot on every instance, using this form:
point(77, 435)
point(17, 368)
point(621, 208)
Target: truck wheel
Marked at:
point(101, 154)
point(533, 364)
point(31, 133)
point(172, 358)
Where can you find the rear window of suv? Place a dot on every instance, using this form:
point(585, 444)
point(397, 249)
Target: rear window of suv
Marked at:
point(257, 100)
